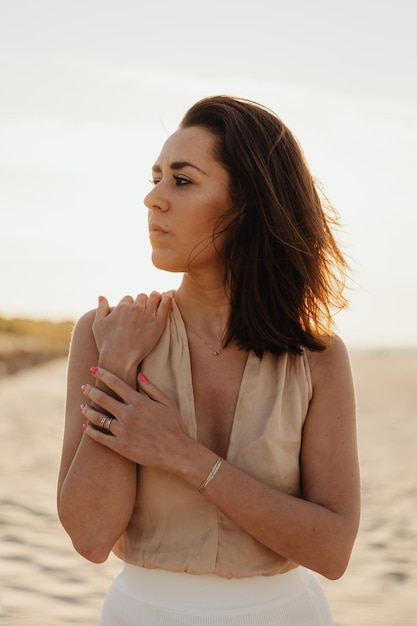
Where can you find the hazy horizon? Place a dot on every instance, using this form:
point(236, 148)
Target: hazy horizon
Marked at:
point(90, 91)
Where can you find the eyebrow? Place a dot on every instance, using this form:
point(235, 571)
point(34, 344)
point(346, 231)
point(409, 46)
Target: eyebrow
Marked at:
point(178, 165)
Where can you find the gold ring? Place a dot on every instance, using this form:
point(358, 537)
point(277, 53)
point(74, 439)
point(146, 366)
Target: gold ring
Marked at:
point(107, 423)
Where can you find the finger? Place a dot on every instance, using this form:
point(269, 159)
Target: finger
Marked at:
point(153, 302)
point(152, 390)
point(126, 300)
point(102, 309)
point(99, 398)
point(102, 400)
point(141, 299)
point(114, 383)
point(103, 302)
point(164, 305)
point(101, 437)
point(99, 420)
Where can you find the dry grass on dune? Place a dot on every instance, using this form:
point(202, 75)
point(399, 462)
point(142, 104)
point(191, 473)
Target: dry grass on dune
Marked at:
point(25, 342)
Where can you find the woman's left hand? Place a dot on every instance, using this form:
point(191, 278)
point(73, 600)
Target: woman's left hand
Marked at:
point(147, 429)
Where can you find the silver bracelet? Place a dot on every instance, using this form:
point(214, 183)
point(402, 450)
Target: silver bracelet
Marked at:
point(211, 475)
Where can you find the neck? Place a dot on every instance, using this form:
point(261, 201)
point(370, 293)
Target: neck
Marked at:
point(204, 307)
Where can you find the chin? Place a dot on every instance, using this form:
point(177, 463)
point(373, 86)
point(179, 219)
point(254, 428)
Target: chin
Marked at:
point(165, 264)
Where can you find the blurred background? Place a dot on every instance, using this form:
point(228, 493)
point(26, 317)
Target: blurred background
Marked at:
point(89, 91)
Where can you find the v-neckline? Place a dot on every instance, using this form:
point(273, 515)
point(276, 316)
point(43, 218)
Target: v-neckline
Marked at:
point(242, 386)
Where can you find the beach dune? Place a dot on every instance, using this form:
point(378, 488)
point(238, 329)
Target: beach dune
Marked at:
point(44, 582)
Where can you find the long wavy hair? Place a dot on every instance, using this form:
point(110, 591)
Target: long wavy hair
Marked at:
point(284, 271)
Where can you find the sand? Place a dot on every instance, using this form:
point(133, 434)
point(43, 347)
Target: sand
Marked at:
point(44, 582)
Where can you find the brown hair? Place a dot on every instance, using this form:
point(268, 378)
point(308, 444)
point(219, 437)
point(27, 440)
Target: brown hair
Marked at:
point(284, 271)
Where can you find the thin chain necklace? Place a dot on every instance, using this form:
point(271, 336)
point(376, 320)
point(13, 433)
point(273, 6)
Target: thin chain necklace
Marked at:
point(216, 352)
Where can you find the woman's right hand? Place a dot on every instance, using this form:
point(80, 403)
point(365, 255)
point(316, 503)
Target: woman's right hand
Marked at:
point(127, 333)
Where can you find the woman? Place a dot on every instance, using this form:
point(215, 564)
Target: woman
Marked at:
point(218, 458)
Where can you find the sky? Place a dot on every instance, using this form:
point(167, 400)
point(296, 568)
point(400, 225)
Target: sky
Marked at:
point(90, 90)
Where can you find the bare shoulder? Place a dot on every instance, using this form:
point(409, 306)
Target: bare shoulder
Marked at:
point(85, 323)
point(83, 350)
point(82, 334)
point(330, 364)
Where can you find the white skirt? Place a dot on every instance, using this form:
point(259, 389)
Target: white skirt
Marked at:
point(149, 597)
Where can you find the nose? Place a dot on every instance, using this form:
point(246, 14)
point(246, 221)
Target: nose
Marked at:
point(156, 199)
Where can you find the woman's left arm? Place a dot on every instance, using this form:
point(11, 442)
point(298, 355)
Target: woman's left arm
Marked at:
point(316, 530)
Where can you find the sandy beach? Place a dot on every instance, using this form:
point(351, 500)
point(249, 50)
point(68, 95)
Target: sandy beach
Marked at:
point(44, 582)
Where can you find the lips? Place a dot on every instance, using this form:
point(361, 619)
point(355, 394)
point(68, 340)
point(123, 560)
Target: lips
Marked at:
point(155, 228)
point(156, 231)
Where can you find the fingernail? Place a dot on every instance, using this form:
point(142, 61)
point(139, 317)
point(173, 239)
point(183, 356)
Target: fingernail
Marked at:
point(85, 426)
point(93, 370)
point(82, 406)
point(100, 298)
point(143, 378)
point(83, 387)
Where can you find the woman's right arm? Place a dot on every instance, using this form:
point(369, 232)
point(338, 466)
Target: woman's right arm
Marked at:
point(96, 486)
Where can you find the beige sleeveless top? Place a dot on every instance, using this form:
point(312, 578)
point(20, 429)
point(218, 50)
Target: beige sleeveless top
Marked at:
point(175, 528)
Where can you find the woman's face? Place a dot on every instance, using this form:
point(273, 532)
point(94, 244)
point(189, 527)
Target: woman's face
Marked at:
point(191, 191)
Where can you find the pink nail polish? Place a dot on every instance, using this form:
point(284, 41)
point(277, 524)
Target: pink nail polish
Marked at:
point(82, 406)
point(93, 370)
point(85, 426)
point(100, 298)
point(143, 378)
point(83, 387)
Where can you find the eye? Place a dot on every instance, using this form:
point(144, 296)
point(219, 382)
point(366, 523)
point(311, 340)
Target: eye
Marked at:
point(181, 180)
point(154, 181)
